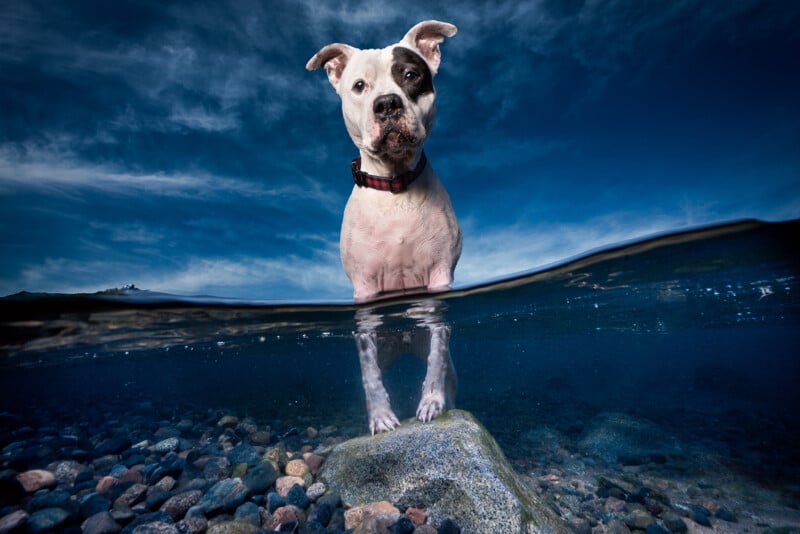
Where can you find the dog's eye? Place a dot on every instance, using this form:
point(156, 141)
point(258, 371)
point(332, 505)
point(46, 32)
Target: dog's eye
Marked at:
point(410, 76)
point(359, 86)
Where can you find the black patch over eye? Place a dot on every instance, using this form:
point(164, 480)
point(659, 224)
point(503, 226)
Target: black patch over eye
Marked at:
point(411, 72)
point(359, 86)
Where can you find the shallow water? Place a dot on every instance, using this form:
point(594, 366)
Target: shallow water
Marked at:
point(697, 333)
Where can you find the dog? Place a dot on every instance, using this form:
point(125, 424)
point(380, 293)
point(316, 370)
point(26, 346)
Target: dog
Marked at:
point(399, 231)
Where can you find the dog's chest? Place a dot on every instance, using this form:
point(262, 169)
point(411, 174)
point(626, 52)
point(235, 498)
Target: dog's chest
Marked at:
point(394, 242)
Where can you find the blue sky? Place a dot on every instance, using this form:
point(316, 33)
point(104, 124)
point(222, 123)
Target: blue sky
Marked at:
point(183, 147)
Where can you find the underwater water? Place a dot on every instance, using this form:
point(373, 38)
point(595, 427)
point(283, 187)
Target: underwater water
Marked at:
point(685, 345)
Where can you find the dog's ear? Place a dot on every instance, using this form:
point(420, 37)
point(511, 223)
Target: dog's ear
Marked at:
point(426, 37)
point(334, 58)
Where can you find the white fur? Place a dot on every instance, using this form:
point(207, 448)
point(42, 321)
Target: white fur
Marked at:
point(395, 242)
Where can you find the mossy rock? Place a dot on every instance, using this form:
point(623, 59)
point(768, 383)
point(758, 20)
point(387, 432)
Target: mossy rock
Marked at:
point(451, 467)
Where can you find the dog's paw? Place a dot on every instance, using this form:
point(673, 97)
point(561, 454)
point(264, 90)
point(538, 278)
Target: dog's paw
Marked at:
point(430, 406)
point(382, 420)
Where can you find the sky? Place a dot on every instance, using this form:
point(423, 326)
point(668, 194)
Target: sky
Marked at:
point(182, 147)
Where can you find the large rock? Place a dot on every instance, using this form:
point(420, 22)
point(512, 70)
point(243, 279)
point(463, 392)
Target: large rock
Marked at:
point(451, 467)
point(617, 437)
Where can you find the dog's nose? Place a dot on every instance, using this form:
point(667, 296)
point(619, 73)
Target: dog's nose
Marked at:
point(386, 106)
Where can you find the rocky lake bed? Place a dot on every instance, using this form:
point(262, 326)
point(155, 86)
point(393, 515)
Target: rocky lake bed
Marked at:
point(150, 469)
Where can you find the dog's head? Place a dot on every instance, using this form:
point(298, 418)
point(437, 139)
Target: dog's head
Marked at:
point(387, 94)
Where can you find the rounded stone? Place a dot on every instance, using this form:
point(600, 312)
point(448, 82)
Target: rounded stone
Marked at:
point(228, 421)
point(297, 497)
point(36, 479)
point(156, 527)
point(166, 445)
point(638, 519)
point(381, 513)
point(451, 466)
point(288, 514)
point(226, 495)
point(243, 453)
point(284, 484)
point(260, 437)
point(297, 468)
point(417, 516)
point(314, 462)
point(260, 478)
point(47, 519)
point(100, 523)
point(13, 521)
point(177, 505)
point(674, 523)
point(234, 527)
point(315, 491)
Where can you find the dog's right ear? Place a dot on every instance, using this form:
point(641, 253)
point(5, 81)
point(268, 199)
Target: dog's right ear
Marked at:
point(334, 58)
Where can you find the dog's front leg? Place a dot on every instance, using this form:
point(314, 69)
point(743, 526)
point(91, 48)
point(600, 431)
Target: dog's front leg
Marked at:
point(438, 389)
point(381, 416)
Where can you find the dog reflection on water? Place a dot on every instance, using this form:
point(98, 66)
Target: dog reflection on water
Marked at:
point(378, 348)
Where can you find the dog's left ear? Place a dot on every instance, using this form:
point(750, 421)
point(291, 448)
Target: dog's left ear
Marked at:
point(426, 37)
point(334, 58)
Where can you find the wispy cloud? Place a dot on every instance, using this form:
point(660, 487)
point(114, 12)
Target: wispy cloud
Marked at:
point(498, 252)
point(288, 277)
point(30, 166)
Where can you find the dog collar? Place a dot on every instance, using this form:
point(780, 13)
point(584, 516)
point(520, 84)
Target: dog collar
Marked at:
point(395, 184)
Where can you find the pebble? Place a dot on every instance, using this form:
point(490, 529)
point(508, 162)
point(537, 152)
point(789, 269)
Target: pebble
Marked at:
point(94, 504)
point(156, 527)
point(224, 496)
point(67, 471)
point(700, 515)
point(725, 514)
point(105, 483)
point(260, 478)
point(313, 461)
point(297, 497)
point(131, 496)
point(166, 445)
point(244, 453)
point(13, 521)
point(284, 484)
point(234, 527)
point(36, 479)
point(274, 501)
point(297, 468)
point(114, 445)
point(193, 525)
point(315, 491)
point(228, 421)
point(47, 519)
point(638, 519)
point(288, 514)
point(177, 505)
point(260, 437)
point(248, 513)
point(217, 468)
point(674, 523)
point(416, 515)
point(381, 514)
point(100, 523)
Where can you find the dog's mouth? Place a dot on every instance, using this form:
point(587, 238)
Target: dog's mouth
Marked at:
point(394, 139)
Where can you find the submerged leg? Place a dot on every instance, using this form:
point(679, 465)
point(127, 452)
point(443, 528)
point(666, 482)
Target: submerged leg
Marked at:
point(379, 410)
point(438, 389)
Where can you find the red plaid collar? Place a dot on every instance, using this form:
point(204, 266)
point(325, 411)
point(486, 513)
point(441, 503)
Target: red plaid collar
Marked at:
point(395, 184)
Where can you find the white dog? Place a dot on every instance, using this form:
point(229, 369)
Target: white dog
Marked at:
point(399, 231)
